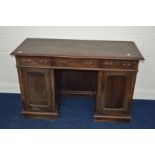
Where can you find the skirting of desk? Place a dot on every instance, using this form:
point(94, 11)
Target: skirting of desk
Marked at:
point(46, 115)
point(110, 118)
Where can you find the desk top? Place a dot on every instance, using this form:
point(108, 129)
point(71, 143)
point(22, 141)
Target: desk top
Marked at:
point(79, 48)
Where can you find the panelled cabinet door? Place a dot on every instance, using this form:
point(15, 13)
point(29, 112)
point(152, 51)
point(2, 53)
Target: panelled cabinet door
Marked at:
point(116, 92)
point(37, 90)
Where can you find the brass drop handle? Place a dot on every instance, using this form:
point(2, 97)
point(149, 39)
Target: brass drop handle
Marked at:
point(43, 61)
point(88, 63)
point(64, 62)
point(108, 63)
point(127, 65)
point(26, 60)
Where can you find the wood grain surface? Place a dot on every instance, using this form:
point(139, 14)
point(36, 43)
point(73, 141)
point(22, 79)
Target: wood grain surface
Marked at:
point(79, 48)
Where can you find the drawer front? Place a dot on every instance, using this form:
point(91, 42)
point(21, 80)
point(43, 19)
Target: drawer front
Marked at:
point(35, 61)
point(58, 62)
point(119, 64)
point(77, 63)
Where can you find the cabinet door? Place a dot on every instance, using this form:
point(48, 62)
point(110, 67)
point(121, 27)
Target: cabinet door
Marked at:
point(116, 92)
point(37, 89)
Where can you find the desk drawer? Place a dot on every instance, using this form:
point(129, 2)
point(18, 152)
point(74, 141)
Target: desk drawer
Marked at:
point(35, 61)
point(57, 62)
point(119, 64)
point(77, 63)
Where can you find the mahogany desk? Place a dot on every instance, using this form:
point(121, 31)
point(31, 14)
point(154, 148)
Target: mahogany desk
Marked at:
point(50, 68)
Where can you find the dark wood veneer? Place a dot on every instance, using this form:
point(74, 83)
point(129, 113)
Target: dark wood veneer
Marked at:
point(50, 68)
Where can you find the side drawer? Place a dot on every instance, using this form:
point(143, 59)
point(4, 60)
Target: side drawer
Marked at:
point(35, 61)
point(119, 64)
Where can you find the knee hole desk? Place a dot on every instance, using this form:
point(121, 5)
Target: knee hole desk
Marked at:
point(50, 68)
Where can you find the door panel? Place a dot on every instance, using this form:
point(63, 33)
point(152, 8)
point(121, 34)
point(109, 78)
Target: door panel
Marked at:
point(116, 92)
point(38, 90)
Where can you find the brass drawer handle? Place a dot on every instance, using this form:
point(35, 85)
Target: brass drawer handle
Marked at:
point(63, 62)
point(88, 63)
point(108, 63)
point(127, 65)
point(43, 61)
point(27, 60)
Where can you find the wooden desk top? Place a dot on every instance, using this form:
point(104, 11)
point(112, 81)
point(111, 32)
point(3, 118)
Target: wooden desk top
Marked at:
point(79, 48)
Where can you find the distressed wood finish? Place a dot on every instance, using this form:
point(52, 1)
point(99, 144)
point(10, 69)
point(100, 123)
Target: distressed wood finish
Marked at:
point(115, 91)
point(76, 63)
point(50, 68)
point(38, 94)
point(79, 48)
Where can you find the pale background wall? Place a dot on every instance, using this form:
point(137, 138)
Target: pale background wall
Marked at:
point(144, 37)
